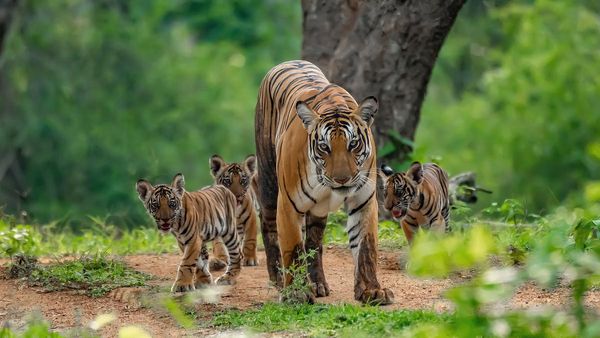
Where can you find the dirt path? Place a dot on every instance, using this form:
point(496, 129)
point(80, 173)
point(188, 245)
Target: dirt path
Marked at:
point(68, 310)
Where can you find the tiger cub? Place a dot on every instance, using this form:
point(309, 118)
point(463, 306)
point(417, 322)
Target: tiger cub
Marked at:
point(418, 197)
point(238, 177)
point(194, 218)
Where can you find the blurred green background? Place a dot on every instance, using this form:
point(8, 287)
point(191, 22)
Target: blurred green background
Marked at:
point(105, 92)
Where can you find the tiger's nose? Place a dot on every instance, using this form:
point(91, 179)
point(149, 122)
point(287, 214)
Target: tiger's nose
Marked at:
point(341, 179)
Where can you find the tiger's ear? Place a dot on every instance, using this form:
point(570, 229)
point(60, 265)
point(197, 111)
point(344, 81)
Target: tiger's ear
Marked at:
point(178, 184)
point(250, 164)
point(144, 189)
point(367, 109)
point(216, 165)
point(415, 172)
point(307, 115)
point(386, 170)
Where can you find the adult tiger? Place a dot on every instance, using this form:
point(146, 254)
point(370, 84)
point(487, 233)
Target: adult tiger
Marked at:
point(193, 218)
point(418, 197)
point(315, 151)
point(237, 177)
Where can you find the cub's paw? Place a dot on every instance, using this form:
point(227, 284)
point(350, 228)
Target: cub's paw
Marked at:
point(377, 297)
point(215, 264)
point(182, 287)
point(250, 261)
point(226, 279)
point(203, 281)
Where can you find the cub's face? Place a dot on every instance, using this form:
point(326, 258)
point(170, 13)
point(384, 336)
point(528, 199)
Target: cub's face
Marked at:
point(235, 176)
point(339, 144)
point(401, 189)
point(163, 202)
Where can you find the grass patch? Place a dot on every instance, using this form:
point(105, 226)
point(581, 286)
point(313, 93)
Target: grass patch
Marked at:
point(95, 276)
point(326, 320)
point(95, 237)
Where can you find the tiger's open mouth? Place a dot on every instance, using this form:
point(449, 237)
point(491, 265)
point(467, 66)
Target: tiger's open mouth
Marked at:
point(164, 227)
point(398, 212)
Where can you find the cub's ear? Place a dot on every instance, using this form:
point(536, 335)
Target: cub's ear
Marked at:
point(250, 164)
point(386, 170)
point(367, 109)
point(144, 189)
point(216, 165)
point(178, 183)
point(307, 115)
point(415, 172)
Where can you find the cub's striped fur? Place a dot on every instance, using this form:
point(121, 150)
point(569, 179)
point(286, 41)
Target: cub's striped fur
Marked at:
point(194, 218)
point(315, 151)
point(418, 197)
point(237, 177)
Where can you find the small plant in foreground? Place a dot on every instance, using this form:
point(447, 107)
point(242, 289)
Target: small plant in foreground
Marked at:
point(300, 281)
point(96, 276)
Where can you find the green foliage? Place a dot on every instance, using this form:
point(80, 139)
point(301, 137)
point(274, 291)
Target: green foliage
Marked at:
point(35, 327)
point(326, 320)
point(566, 250)
point(16, 240)
point(103, 93)
point(96, 276)
point(435, 255)
point(514, 98)
point(93, 238)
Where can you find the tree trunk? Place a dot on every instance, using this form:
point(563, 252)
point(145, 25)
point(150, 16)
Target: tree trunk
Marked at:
point(9, 156)
point(385, 48)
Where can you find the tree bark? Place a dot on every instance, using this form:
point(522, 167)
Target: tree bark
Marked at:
point(9, 156)
point(385, 48)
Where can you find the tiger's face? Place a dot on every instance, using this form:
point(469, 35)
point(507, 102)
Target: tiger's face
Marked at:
point(235, 176)
point(339, 144)
point(163, 202)
point(401, 189)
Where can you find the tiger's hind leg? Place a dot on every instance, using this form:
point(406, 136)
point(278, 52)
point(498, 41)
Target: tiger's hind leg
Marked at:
point(315, 227)
point(203, 276)
point(219, 260)
point(439, 225)
point(234, 265)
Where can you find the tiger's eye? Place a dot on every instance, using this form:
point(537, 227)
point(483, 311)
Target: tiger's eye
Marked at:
point(353, 144)
point(323, 147)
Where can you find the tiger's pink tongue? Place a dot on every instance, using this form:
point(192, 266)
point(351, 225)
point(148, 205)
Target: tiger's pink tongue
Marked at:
point(396, 213)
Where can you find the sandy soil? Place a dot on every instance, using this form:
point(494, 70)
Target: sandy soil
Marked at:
point(136, 306)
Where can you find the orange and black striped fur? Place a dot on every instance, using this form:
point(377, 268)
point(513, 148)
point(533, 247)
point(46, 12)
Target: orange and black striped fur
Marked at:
point(418, 197)
point(237, 177)
point(194, 218)
point(315, 151)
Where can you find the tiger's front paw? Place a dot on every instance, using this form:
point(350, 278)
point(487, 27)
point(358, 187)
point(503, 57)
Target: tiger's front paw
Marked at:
point(179, 286)
point(215, 264)
point(376, 297)
point(203, 281)
point(321, 288)
point(226, 279)
point(250, 261)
